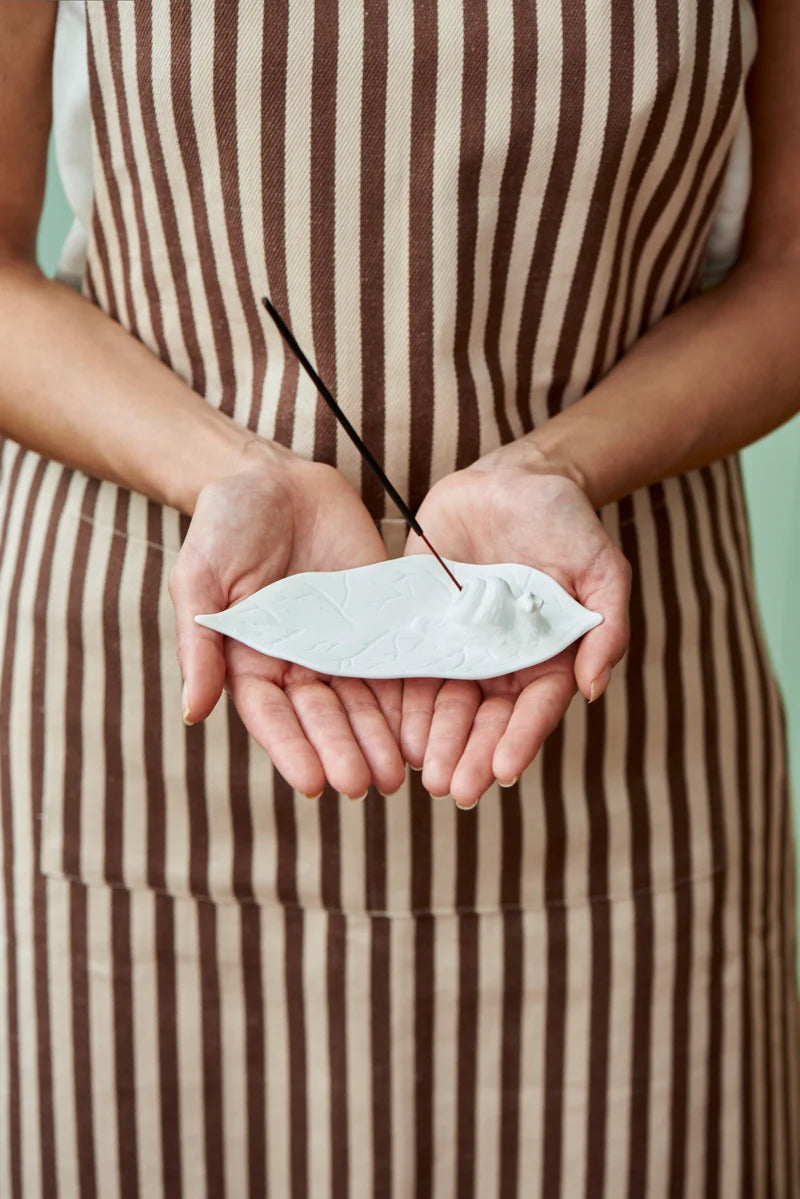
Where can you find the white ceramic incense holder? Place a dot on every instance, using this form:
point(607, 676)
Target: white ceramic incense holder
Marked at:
point(403, 618)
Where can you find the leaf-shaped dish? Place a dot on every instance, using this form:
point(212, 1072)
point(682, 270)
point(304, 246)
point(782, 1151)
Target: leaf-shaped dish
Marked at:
point(403, 618)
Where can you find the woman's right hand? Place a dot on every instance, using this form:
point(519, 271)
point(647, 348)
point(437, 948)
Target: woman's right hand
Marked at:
point(277, 515)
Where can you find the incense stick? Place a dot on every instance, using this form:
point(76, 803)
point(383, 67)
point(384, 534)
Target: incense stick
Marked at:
point(376, 469)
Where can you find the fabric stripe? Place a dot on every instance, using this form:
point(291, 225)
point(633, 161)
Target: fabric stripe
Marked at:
point(688, 275)
point(743, 771)
point(124, 1046)
point(638, 1116)
point(601, 980)
point(616, 134)
point(100, 1033)
point(106, 295)
point(111, 182)
point(166, 204)
point(153, 737)
point(729, 92)
point(764, 915)
point(72, 816)
point(81, 1041)
point(337, 1053)
point(170, 1093)
point(467, 1035)
point(256, 1033)
point(188, 1036)
point(181, 69)
point(573, 84)
point(667, 38)
point(681, 840)
point(336, 954)
point(468, 1012)
point(473, 129)
point(37, 495)
point(212, 1049)
point(226, 29)
point(750, 828)
point(112, 699)
point(424, 986)
point(273, 190)
point(144, 252)
point(380, 1045)
point(420, 250)
point(323, 222)
point(39, 896)
point(520, 140)
point(557, 981)
point(513, 990)
point(666, 189)
point(293, 982)
point(241, 804)
point(373, 160)
point(10, 907)
point(124, 1059)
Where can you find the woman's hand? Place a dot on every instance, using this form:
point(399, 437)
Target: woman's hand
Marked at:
point(279, 515)
point(513, 507)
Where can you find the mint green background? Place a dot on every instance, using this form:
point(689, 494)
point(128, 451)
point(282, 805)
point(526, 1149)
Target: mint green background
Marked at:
point(772, 479)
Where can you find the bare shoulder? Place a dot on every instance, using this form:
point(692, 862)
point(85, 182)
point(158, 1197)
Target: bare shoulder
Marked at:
point(773, 226)
point(26, 54)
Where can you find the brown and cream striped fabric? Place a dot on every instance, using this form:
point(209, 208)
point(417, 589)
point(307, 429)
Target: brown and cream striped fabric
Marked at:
point(210, 986)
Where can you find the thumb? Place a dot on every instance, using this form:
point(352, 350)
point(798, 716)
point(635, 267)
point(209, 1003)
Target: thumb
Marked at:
point(602, 647)
point(193, 591)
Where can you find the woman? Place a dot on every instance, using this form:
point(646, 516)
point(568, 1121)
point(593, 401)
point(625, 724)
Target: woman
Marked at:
point(487, 224)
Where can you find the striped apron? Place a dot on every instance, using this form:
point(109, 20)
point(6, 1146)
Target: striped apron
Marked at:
point(210, 986)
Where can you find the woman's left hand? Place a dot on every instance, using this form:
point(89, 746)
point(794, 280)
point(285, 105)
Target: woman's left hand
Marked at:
point(512, 506)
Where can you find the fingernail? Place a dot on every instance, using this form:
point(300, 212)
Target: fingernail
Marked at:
point(511, 784)
point(447, 796)
point(185, 706)
point(599, 684)
point(417, 769)
point(358, 798)
point(319, 796)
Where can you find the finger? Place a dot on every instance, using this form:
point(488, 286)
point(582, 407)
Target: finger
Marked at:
point(328, 729)
point(371, 731)
point(270, 718)
point(419, 696)
point(193, 591)
point(536, 713)
point(606, 589)
point(473, 773)
point(453, 714)
point(414, 544)
point(389, 694)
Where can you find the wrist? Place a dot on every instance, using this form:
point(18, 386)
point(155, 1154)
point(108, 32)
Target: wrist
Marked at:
point(227, 449)
point(556, 449)
point(529, 454)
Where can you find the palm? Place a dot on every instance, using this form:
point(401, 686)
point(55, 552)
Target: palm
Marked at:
point(467, 734)
point(248, 531)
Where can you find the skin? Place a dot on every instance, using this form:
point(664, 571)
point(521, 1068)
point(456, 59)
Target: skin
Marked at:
point(464, 735)
point(99, 401)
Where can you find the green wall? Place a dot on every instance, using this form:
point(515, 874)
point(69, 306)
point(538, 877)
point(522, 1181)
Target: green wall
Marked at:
point(772, 479)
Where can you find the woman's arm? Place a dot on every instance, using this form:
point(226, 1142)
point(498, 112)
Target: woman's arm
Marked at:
point(75, 385)
point(723, 369)
point(717, 374)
